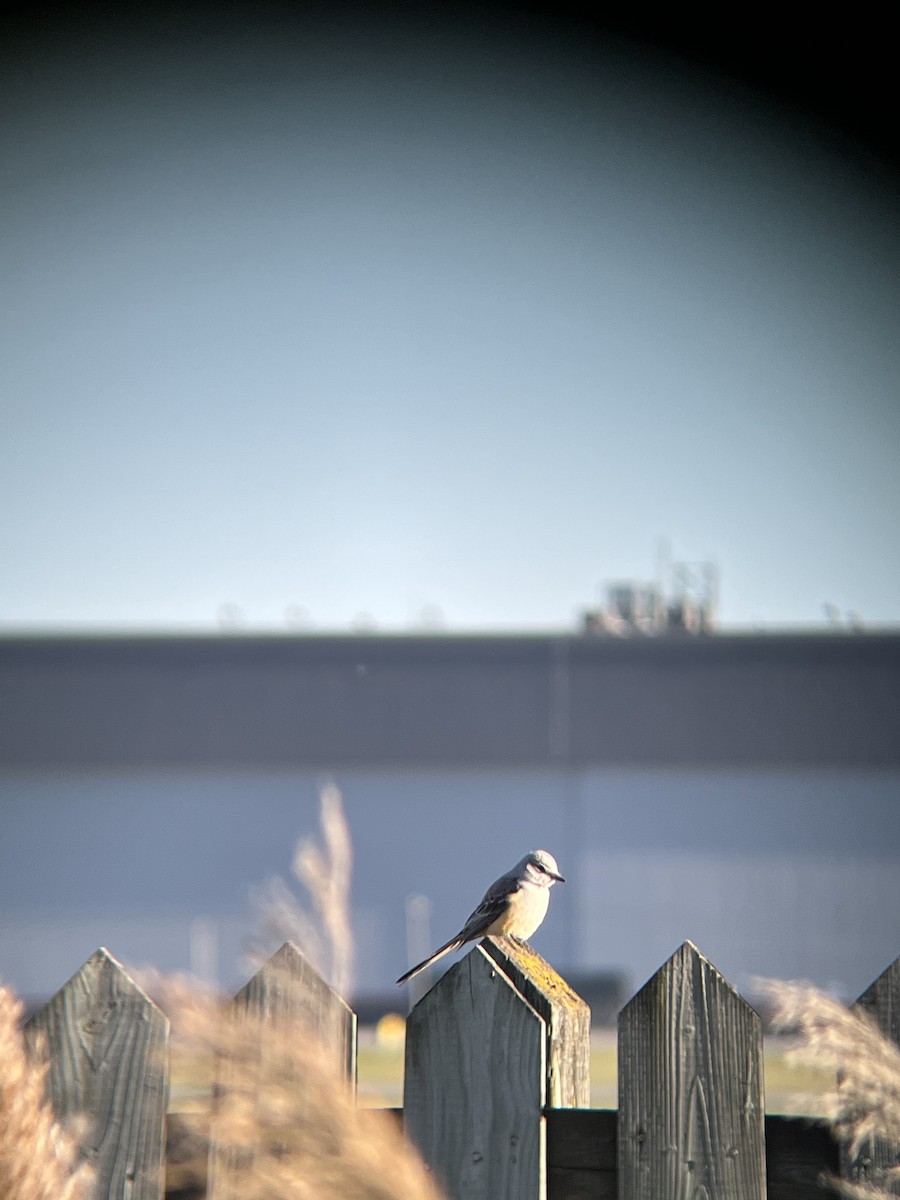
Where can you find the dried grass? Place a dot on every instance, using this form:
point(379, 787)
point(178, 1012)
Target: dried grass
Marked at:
point(285, 1124)
point(39, 1160)
point(863, 1108)
point(323, 933)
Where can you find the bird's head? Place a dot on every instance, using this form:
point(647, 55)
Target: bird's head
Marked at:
point(541, 868)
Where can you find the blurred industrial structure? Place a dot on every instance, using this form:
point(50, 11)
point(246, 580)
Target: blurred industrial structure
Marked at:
point(687, 605)
point(743, 791)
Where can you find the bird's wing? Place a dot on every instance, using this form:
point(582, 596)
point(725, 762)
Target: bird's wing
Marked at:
point(493, 905)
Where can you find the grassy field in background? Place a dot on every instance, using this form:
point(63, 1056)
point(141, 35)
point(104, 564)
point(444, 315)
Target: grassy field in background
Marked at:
point(789, 1090)
point(792, 1090)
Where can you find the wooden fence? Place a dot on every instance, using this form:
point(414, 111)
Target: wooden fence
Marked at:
point(497, 1081)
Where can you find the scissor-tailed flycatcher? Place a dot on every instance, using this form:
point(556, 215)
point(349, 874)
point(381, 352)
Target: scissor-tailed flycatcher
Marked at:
point(515, 905)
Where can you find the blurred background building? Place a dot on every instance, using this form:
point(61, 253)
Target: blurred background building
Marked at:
point(740, 790)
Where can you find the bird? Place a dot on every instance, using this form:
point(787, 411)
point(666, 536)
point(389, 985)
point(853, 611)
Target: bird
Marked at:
point(514, 905)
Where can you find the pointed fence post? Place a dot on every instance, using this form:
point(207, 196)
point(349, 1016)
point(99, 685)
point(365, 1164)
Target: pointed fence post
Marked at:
point(287, 993)
point(479, 1052)
point(289, 989)
point(882, 1002)
point(567, 1016)
point(691, 1110)
point(107, 1044)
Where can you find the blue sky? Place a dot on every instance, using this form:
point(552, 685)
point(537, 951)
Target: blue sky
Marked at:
point(368, 320)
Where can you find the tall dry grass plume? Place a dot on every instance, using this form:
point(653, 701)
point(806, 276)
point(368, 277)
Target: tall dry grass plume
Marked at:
point(285, 1124)
point(324, 932)
point(863, 1108)
point(39, 1160)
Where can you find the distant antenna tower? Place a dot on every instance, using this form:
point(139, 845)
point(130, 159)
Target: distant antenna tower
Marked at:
point(664, 566)
point(695, 596)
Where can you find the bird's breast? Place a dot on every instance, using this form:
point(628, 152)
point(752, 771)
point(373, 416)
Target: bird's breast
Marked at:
point(531, 911)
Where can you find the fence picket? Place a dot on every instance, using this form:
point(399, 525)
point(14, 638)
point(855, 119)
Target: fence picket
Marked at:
point(691, 1113)
point(107, 1045)
point(881, 1000)
point(476, 1084)
point(288, 988)
point(567, 1016)
point(286, 992)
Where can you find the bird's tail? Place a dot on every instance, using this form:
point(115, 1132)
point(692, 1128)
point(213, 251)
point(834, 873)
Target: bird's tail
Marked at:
point(445, 949)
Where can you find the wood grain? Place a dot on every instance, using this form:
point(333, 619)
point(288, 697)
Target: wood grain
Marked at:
point(567, 1017)
point(288, 994)
point(691, 1115)
point(881, 1000)
point(581, 1156)
point(290, 990)
point(476, 1084)
point(800, 1156)
point(107, 1043)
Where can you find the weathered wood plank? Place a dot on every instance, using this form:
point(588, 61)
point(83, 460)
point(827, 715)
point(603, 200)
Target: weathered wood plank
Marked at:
point(800, 1154)
point(567, 1017)
point(691, 1113)
point(107, 1043)
point(581, 1156)
point(289, 990)
point(291, 1000)
point(581, 1153)
point(882, 1003)
point(476, 1084)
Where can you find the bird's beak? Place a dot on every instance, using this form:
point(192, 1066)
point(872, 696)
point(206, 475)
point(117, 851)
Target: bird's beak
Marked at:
point(558, 878)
